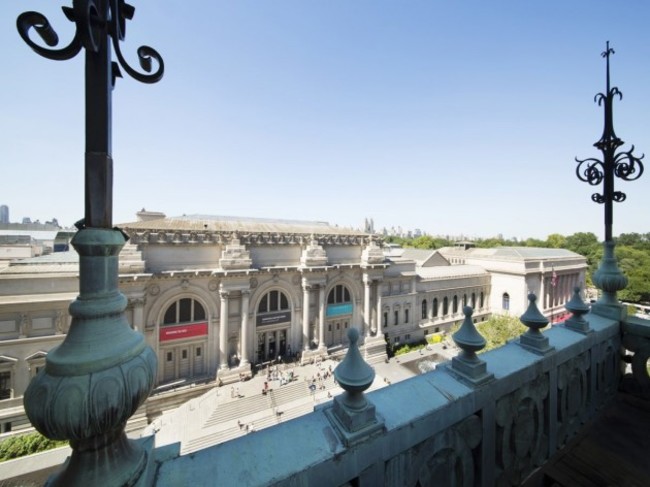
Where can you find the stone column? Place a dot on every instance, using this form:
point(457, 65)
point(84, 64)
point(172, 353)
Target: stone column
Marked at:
point(223, 331)
point(138, 313)
point(380, 314)
point(542, 292)
point(305, 315)
point(366, 306)
point(245, 296)
point(321, 317)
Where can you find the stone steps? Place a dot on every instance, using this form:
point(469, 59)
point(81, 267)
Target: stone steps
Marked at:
point(236, 409)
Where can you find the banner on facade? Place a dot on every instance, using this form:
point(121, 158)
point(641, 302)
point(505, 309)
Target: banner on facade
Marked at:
point(182, 331)
point(273, 318)
point(339, 309)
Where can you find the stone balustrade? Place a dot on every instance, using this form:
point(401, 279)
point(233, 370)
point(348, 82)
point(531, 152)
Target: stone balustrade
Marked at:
point(442, 427)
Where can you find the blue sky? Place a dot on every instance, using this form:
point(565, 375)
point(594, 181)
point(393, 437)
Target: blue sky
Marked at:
point(456, 117)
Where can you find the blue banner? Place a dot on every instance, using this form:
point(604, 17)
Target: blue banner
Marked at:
point(339, 309)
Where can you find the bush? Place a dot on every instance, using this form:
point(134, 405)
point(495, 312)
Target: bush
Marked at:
point(27, 444)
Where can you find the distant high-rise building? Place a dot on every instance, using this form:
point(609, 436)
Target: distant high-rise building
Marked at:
point(4, 214)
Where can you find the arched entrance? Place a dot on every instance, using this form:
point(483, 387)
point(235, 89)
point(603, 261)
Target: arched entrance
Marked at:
point(273, 323)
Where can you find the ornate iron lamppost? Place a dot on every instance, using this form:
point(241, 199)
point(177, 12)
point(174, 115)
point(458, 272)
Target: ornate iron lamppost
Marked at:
point(103, 371)
point(624, 165)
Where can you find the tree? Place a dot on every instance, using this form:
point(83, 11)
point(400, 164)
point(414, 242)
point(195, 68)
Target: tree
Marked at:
point(497, 330)
point(556, 241)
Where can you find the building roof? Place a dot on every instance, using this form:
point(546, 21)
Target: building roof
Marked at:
point(510, 253)
point(239, 224)
point(58, 262)
point(451, 271)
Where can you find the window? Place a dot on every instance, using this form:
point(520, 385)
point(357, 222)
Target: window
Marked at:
point(505, 304)
point(437, 329)
point(406, 316)
point(396, 339)
point(184, 354)
point(385, 319)
point(424, 309)
point(170, 357)
point(273, 301)
point(454, 308)
point(445, 306)
point(198, 351)
point(339, 294)
point(434, 305)
point(5, 384)
point(185, 310)
point(396, 318)
point(473, 300)
point(407, 337)
point(481, 301)
point(464, 300)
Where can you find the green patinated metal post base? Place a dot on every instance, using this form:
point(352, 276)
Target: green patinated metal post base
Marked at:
point(609, 279)
point(97, 378)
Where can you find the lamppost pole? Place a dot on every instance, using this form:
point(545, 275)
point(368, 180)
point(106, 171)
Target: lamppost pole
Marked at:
point(624, 165)
point(104, 370)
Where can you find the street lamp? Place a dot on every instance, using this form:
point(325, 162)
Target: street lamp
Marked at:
point(104, 370)
point(624, 165)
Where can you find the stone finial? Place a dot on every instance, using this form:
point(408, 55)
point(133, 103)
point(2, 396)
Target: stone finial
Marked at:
point(235, 256)
point(469, 340)
point(578, 308)
point(313, 255)
point(353, 415)
point(533, 339)
point(372, 253)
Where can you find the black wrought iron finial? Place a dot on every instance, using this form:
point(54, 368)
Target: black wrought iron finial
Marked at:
point(624, 165)
point(100, 24)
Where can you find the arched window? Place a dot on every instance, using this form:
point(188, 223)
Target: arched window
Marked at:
point(424, 309)
point(273, 301)
point(339, 294)
point(435, 307)
point(406, 316)
point(185, 310)
point(445, 306)
point(464, 300)
point(396, 318)
point(481, 301)
point(473, 300)
point(506, 301)
point(454, 308)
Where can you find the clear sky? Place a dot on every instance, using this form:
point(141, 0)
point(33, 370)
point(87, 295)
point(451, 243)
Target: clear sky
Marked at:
point(455, 117)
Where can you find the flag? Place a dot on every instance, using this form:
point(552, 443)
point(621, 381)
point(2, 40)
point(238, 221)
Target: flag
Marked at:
point(553, 278)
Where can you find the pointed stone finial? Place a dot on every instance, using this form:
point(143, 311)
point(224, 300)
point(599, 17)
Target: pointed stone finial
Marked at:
point(469, 340)
point(353, 374)
point(578, 308)
point(533, 339)
point(353, 415)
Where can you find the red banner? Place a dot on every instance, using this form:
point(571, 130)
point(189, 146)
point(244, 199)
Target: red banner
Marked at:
point(182, 331)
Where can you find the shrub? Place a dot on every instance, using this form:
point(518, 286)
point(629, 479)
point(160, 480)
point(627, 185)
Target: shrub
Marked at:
point(27, 444)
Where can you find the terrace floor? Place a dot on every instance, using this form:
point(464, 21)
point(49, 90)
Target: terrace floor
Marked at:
point(612, 450)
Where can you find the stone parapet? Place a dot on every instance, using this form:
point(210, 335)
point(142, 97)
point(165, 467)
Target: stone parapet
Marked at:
point(436, 428)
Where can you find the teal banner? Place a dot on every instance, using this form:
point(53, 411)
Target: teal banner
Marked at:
point(339, 309)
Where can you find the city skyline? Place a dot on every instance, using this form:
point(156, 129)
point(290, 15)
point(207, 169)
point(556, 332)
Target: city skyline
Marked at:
point(455, 119)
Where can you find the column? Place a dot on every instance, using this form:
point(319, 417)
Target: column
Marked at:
point(321, 316)
point(380, 314)
point(305, 315)
point(366, 306)
point(542, 290)
point(138, 313)
point(223, 331)
point(245, 296)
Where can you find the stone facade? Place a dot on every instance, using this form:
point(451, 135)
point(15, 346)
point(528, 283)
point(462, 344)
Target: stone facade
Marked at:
point(217, 297)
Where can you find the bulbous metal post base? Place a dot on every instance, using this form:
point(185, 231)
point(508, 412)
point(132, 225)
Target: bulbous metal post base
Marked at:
point(609, 279)
point(108, 458)
point(97, 378)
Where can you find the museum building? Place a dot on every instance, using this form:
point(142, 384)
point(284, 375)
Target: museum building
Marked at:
point(219, 297)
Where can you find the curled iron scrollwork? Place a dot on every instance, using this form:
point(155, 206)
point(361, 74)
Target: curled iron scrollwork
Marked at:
point(93, 19)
